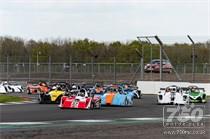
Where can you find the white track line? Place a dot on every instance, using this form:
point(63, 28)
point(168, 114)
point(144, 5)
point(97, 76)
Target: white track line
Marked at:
point(24, 123)
point(79, 121)
point(18, 103)
point(141, 119)
point(91, 121)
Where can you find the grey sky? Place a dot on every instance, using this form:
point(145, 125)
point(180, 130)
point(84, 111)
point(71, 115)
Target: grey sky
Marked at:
point(105, 20)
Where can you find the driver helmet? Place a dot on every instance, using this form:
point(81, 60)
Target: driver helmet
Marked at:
point(126, 86)
point(193, 89)
point(97, 85)
point(74, 87)
point(54, 88)
point(82, 93)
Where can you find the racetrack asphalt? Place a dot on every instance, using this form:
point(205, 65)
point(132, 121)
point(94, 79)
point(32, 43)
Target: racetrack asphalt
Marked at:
point(116, 128)
point(145, 107)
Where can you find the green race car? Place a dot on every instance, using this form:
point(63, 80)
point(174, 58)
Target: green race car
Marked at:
point(197, 94)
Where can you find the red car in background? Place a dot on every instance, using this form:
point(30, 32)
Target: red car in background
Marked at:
point(36, 88)
point(154, 66)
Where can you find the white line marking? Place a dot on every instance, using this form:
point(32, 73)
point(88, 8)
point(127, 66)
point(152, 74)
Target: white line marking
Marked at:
point(142, 119)
point(90, 121)
point(207, 115)
point(18, 103)
point(23, 123)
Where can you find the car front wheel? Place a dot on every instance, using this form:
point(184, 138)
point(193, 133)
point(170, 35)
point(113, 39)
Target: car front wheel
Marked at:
point(98, 105)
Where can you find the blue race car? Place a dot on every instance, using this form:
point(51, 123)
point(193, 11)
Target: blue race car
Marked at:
point(115, 95)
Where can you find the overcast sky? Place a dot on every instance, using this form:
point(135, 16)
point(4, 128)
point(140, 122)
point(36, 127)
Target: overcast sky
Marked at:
point(105, 20)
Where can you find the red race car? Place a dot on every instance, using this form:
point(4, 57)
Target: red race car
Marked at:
point(35, 88)
point(82, 100)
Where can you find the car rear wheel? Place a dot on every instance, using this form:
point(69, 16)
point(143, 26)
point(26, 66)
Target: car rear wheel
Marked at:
point(92, 106)
point(204, 99)
point(139, 94)
point(58, 100)
point(40, 99)
point(126, 102)
point(97, 105)
point(28, 91)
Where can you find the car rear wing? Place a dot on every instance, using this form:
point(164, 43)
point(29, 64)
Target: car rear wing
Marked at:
point(203, 89)
point(162, 88)
point(187, 88)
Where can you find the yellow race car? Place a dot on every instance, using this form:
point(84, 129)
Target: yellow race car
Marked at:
point(54, 96)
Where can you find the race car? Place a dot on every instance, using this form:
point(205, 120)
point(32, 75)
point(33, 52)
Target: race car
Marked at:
point(53, 96)
point(10, 87)
point(115, 95)
point(83, 100)
point(131, 89)
point(42, 87)
point(173, 95)
point(197, 94)
point(154, 66)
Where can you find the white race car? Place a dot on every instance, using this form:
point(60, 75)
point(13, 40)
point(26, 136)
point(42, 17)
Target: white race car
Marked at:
point(6, 87)
point(173, 95)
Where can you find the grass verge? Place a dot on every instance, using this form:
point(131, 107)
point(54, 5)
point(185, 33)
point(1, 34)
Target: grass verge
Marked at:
point(6, 98)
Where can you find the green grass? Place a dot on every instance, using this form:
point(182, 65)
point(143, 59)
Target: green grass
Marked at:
point(6, 98)
point(208, 97)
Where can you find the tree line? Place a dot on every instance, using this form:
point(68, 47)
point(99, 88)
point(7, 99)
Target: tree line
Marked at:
point(61, 50)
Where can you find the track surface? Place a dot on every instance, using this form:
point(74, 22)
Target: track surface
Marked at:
point(143, 108)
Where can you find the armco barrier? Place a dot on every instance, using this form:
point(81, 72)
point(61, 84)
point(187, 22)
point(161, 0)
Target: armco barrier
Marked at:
point(152, 87)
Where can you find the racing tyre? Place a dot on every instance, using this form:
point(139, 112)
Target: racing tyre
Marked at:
point(203, 99)
point(97, 105)
point(58, 100)
point(126, 102)
point(139, 93)
point(92, 106)
point(28, 91)
point(40, 100)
